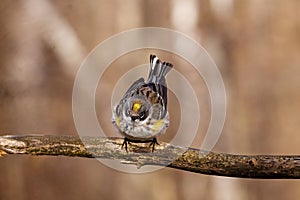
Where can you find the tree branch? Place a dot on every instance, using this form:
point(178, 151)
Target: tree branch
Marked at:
point(188, 159)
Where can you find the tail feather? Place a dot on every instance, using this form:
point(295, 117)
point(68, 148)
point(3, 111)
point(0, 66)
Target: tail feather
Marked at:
point(158, 70)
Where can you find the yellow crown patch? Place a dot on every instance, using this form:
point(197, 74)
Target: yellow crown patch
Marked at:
point(136, 106)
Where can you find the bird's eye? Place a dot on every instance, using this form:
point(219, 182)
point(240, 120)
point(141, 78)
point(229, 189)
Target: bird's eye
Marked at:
point(143, 116)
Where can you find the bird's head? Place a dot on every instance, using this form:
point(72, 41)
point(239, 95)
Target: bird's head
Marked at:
point(137, 108)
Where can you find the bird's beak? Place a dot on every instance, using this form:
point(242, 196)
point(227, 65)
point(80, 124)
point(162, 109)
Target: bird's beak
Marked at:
point(134, 118)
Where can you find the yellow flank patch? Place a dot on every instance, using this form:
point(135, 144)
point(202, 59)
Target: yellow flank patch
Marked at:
point(158, 125)
point(136, 106)
point(118, 121)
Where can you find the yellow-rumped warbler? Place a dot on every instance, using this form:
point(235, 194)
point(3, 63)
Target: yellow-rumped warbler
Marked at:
point(142, 112)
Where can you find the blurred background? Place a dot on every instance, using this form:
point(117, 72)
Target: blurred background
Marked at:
point(255, 44)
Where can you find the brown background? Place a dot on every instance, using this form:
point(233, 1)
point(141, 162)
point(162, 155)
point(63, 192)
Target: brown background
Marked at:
point(255, 44)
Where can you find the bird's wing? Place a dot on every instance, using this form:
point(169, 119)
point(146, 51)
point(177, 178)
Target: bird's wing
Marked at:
point(134, 86)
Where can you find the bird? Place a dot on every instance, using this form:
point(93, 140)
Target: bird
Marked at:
point(142, 114)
